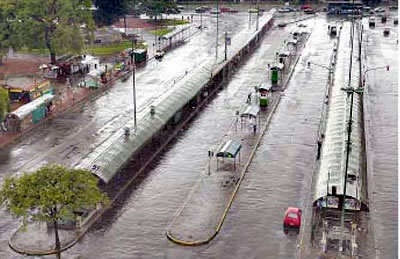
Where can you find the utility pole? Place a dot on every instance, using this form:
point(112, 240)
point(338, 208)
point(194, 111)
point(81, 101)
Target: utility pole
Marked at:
point(133, 86)
point(249, 15)
point(349, 129)
point(258, 14)
point(226, 45)
point(201, 21)
point(216, 45)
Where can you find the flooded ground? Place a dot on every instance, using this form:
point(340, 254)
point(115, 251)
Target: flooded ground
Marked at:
point(278, 177)
point(382, 119)
point(136, 227)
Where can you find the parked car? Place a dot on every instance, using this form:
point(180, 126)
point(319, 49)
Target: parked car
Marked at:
point(366, 9)
point(379, 10)
point(386, 32)
point(333, 31)
point(393, 8)
point(225, 9)
point(371, 22)
point(173, 11)
point(292, 218)
point(200, 9)
point(284, 10)
point(253, 10)
point(309, 11)
point(159, 55)
point(395, 21)
point(304, 7)
point(215, 11)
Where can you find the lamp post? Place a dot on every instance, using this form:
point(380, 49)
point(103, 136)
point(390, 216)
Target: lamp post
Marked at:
point(258, 14)
point(371, 69)
point(309, 63)
point(250, 13)
point(216, 43)
point(133, 85)
point(227, 42)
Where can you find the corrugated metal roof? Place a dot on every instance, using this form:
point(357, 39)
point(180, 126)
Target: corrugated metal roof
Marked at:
point(250, 111)
point(333, 154)
point(108, 157)
point(28, 108)
point(230, 149)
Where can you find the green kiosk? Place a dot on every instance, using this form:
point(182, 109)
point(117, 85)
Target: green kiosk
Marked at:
point(276, 72)
point(264, 89)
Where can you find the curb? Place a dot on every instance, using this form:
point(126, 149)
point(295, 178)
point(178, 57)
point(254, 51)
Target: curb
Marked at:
point(88, 97)
point(68, 245)
point(243, 173)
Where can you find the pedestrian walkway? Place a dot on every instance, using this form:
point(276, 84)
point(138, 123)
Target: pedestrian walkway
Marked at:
point(203, 212)
point(38, 239)
point(63, 102)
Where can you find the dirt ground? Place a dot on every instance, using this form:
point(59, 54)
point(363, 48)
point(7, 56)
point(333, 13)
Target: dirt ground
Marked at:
point(132, 22)
point(21, 65)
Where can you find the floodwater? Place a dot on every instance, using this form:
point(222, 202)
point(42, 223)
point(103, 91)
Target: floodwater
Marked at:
point(278, 177)
point(382, 106)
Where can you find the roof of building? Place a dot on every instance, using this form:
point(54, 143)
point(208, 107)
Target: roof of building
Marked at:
point(250, 111)
point(230, 149)
point(28, 108)
point(26, 83)
point(108, 157)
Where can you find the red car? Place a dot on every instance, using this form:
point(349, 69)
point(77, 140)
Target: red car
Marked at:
point(292, 218)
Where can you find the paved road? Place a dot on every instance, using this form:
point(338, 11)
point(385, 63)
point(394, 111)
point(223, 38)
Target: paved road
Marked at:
point(69, 137)
point(382, 107)
point(278, 177)
point(136, 227)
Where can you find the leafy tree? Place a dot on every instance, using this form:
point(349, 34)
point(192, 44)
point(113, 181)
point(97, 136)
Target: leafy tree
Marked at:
point(110, 11)
point(4, 103)
point(8, 36)
point(52, 24)
point(51, 193)
point(156, 7)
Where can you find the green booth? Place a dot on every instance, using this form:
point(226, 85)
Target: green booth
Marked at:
point(276, 72)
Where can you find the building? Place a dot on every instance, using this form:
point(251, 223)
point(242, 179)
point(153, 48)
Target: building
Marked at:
point(27, 89)
point(343, 6)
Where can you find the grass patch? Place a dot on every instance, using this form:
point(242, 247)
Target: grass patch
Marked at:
point(26, 50)
point(95, 50)
point(104, 50)
point(161, 32)
point(175, 22)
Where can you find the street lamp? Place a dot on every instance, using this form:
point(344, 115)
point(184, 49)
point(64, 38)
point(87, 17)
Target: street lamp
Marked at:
point(350, 91)
point(216, 44)
point(374, 68)
point(330, 69)
point(227, 42)
point(133, 83)
point(258, 14)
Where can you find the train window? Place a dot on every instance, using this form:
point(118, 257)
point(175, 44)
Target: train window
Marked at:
point(351, 177)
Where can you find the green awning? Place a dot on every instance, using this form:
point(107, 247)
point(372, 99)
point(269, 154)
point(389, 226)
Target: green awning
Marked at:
point(230, 149)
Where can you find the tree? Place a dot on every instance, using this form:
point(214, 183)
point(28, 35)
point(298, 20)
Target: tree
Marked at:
point(4, 103)
point(51, 193)
point(110, 11)
point(6, 29)
point(54, 25)
point(156, 7)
